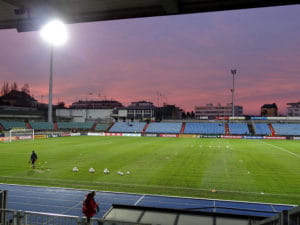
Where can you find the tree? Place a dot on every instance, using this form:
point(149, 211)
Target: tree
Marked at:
point(188, 115)
point(192, 115)
point(5, 89)
point(183, 115)
point(25, 89)
point(61, 105)
point(14, 86)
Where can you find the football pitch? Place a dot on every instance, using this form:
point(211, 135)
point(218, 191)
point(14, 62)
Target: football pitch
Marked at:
point(246, 170)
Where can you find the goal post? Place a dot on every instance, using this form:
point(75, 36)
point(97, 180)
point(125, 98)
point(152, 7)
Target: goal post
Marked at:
point(21, 134)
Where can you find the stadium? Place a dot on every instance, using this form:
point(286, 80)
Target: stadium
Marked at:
point(145, 164)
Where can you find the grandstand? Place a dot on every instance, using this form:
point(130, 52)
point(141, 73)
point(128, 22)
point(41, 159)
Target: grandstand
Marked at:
point(7, 125)
point(261, 129)
point(102, 127)
point(239, 128)
point(41, 125)
point(169, 128)
point(286, 129)
point(204, 128)
point(128, 127)
point(75, 125)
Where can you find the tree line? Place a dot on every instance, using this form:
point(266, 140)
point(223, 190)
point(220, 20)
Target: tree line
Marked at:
point(7, 88)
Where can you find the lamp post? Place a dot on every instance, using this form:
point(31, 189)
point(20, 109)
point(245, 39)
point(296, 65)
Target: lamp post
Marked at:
point(233, 72)
point(55, 34)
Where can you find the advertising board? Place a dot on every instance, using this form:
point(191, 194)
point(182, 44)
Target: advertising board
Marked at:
point(24, 137)
point(150, 135)
point(207, 136)
point(131, 135)
point(274, 138)
point(231, 137)
point(168, 135)
point(187, 135)
point(39, 136)
point(253, 137)
point(96, 134)
point(113, 134)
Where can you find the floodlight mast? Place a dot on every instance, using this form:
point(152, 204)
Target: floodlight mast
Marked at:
point(50, 109)
point(233, 72)
point(55, 34)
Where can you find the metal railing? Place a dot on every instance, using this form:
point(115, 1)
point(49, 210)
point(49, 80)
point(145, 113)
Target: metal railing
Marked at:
point(286, 217)
point(18, 217)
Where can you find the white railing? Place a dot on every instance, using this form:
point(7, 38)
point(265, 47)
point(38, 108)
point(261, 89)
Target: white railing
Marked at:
point(17, 217)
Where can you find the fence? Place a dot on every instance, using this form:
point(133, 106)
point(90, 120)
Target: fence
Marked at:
point(17, 217)
point(286, 217)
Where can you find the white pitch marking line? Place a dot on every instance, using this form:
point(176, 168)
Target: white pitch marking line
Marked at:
point(140, 199)
point(283, 149)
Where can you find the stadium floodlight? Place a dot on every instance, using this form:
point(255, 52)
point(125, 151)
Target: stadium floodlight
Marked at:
point(55, 33)
point(233, 72)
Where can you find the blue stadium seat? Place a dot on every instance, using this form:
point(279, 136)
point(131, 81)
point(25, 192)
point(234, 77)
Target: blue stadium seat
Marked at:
point(76, 125)
point(128, 127)
point(238, 128)
point(286, 128)
point(102, 126)
point(42, 125)
point(262, 129)
point(7, 125)
point(204, 128)
point(167, 128)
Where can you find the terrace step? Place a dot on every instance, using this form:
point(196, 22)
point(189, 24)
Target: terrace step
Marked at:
point(227, 131)
point(182, 128)
point(272, 129)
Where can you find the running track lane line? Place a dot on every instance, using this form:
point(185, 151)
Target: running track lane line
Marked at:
point(140, 199)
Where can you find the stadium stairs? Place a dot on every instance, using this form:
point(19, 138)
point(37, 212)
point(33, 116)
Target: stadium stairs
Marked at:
point(55, 126)
point(272, 130)
point(107, 130)
point(145, 128)
point(182, 128)
point(251, 129)
point(28, 125)
point(94, 127)
point(227, 132)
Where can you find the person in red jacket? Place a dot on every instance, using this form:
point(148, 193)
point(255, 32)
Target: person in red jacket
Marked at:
point(89, 206)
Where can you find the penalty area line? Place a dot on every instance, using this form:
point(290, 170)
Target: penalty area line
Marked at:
point(283, 149)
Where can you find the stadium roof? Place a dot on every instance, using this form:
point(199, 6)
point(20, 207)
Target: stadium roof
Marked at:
point(29, 15)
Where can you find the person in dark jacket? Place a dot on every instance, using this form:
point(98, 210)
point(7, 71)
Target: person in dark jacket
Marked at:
point(89, 206)
point(33, 158)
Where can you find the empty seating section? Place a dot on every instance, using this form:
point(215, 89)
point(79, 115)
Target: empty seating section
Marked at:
point(76, 125)
point(167, 128)
point(102, 127)
point(7, 125)
point(239, 128)
point(128, 127)
point(262, 129)
point(204, 128)
point(286, 129)
point(42, 125)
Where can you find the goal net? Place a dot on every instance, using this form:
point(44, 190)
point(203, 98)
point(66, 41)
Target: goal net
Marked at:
point(21, 134)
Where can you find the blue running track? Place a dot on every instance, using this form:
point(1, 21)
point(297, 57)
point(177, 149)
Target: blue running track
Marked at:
point(69, 201)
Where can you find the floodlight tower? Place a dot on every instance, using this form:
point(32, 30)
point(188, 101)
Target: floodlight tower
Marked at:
point(233, 72)
point(55, 34)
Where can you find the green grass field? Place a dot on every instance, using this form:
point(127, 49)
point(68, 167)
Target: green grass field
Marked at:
point(248, 170)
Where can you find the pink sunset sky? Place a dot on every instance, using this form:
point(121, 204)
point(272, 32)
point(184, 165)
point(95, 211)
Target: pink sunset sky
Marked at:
point(186, 58)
